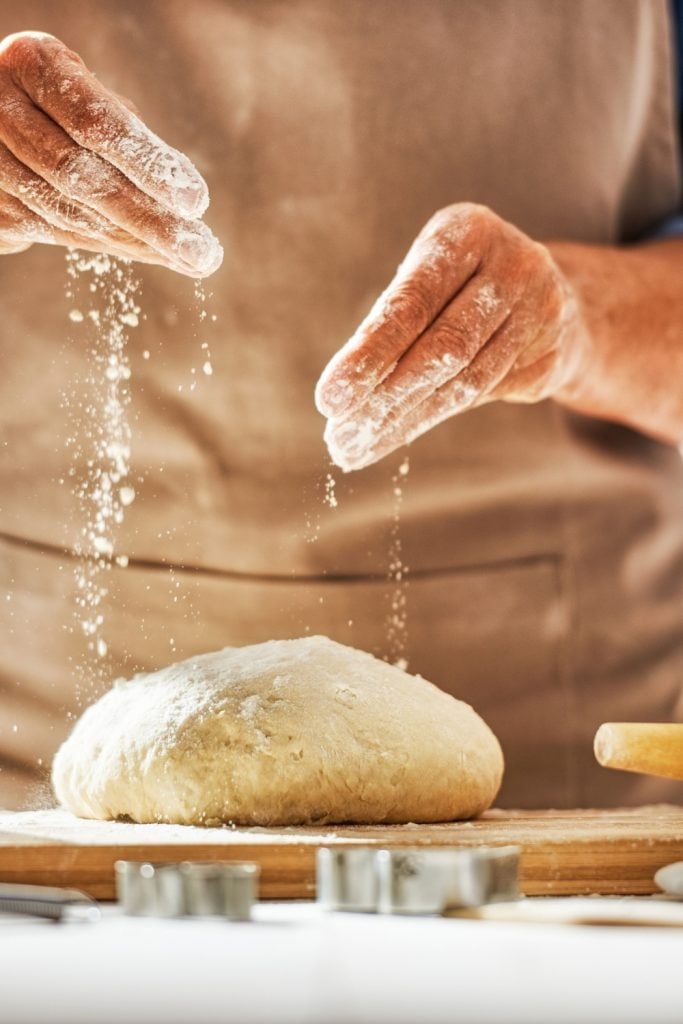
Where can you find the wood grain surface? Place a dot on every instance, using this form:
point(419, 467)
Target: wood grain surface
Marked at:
point(563, 852)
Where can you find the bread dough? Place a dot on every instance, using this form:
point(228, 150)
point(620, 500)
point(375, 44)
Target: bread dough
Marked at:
point(289, 732)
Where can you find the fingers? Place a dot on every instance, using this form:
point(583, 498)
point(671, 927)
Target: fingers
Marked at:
point(441, 352)
point(93, 231)
point(21, 227)
point(95, 172)
point(99, 121)
point(438, 265)
point(13, 234)
point(8, 248)
point(355, 444)
point(43, 146)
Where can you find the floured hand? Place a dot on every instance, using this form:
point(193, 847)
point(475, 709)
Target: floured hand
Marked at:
point(79, 168)
point(477, 311)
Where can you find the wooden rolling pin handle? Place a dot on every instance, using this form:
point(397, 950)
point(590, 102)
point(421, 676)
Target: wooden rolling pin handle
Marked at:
point(650, 748)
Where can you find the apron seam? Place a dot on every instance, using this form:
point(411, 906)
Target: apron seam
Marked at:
point(495, 565)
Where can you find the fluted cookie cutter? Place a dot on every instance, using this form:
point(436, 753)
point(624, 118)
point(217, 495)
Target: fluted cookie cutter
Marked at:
point(347, 878)
point(187, 889)
point(419, 881)
point(416, 880)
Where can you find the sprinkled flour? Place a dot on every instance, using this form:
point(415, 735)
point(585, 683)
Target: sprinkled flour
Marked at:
point(313, 522)
point(206, 367)
point(330, 491)
point(397, 618)
point(104, 292)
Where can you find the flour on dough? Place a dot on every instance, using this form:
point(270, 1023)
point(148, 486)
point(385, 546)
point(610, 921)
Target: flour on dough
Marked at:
point(289, 732)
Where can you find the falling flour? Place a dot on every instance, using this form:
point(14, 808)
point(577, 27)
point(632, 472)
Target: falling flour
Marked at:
point(330, 491)
point(313, 522)
point(201, 300)
point(397, 618)
point(105, 290)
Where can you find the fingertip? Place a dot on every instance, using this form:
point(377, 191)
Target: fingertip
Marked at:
point(193, 200)
point(337, 454)
point(168, 174)
point(320, 397)
point(215, 260)
point(192, 190)
point(198, 248)
point(352, 443)
point(11, 248)
point(333, 397)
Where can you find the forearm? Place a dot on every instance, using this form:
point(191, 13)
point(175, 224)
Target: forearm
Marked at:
point(631, 365)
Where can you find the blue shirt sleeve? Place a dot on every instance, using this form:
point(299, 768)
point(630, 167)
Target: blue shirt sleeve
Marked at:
point(673, 226)
point(677, 14)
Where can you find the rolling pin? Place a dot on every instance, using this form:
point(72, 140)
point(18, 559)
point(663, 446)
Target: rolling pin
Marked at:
point(653, 749)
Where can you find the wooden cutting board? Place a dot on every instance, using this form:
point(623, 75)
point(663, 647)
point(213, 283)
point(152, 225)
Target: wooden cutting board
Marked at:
point(563, 852)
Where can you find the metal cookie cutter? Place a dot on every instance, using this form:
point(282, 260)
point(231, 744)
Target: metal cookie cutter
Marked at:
point(187, 889)
point(424, 881)
point(220, 890)
point(416, 880)
point(347, 879)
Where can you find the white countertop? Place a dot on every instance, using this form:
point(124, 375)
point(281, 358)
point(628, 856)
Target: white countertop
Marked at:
point(297, 965)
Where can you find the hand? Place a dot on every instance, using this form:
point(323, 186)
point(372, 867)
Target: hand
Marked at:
point(477, 311)
point(79, 168)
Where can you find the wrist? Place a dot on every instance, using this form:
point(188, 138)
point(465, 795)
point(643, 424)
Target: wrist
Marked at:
point(631, 357)
point(574, 341)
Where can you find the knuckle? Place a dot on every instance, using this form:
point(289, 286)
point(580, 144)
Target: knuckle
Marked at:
point(81, 174)
point(67, 169)
point(440, 220)
point(409, 307)
point(448, 338)
point(538, 277)
point(25, 51)
point(11, 105)
point(555, 302)
point(469, 385)
point(18, 226)
point(543, 261)
point(480, 217)
point(462, 224)
point(17, 47)
point(36, 60)
point(527, 265)
point(447, 220)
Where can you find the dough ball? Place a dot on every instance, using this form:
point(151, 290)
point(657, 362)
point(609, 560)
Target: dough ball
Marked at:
point(290, 732)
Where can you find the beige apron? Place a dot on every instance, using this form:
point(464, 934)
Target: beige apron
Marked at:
point(545, 549)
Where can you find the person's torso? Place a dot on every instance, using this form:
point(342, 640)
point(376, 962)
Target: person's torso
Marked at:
point(329, 132)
